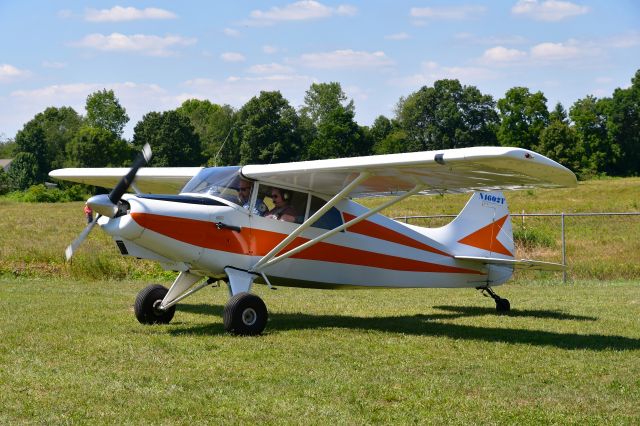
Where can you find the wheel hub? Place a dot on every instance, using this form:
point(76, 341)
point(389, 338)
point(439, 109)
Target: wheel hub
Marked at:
point(249, 316)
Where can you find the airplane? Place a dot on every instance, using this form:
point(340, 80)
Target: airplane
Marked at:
point(225, 224)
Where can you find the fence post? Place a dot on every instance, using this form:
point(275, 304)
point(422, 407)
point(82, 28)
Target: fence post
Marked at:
point(564, 251)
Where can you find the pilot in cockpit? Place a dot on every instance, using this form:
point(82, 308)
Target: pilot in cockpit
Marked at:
point(244, 198)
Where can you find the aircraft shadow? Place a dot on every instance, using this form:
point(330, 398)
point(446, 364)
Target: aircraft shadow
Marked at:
point(430, 325)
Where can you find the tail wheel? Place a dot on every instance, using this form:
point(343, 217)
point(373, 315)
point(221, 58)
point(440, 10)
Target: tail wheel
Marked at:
point(245, 314)
point(148, 303)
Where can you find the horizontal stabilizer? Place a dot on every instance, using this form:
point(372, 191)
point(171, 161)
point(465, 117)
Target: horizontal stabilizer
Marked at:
point(516, 264)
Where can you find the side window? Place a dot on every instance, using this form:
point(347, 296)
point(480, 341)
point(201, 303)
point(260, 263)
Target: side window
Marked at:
point(282, 204)
point(329, 220)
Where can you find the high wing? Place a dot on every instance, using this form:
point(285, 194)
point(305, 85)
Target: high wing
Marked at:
point(155, 180)
point(442, 171)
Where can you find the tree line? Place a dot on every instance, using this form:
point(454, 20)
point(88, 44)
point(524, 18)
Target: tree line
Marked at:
point(597, 136)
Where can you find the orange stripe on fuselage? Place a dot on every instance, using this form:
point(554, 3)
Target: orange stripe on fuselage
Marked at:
point(380, 232)
point(258, 242)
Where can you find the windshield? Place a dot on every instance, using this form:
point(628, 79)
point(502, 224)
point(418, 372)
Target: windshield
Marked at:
point(219, 181)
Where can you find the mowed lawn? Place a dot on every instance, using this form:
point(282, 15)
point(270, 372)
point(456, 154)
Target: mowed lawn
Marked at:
point(72, 352)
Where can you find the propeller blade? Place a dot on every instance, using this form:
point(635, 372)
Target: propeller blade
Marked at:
point(143, 158)
point(73, 247)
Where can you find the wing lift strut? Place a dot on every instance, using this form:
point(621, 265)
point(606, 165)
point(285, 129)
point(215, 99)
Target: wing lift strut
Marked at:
point(274, 257)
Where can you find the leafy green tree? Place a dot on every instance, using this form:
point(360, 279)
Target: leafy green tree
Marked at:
point(558, 114)
point(559, 142)
point(447, 115)
point(523, 116)
point(24, 171)
point(267, 130)
point(31, 139)
point(172, 138)
point(623, 127)
point(336, 132)
point(104, 111)
point(5, 182)
point(8, 148)
point(213, 124)
point(97, 147)
point(589, 116)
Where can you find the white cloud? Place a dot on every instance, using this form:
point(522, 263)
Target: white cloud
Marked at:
point(119, 14)
point(502, 54)
point(495, 40)
point(397, 36)
point(232, 57)
point(236, 91)
point(10, 73)
point(270, 50)
point(137, 98)
point(54, 65)
point(432, 71)
point(345, 59)
point(271, 68)
point(230, 32)
point(299, 11)
point(448, 12)
point(139, 43)
point(624, 41)
point(556, 51)
point(548, 10)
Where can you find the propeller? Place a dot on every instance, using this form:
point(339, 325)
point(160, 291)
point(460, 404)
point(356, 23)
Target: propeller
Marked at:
point(107, 205)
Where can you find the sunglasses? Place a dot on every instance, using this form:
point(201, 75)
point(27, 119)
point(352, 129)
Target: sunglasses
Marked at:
point(244, 189)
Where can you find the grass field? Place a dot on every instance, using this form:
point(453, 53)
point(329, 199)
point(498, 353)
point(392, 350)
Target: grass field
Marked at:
point(71, 350)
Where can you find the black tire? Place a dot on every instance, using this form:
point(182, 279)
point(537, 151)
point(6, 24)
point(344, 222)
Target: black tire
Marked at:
point(146, 306)
point(245, 314)
point(503, 306)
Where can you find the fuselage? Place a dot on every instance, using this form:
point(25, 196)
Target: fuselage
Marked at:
point(205, 234)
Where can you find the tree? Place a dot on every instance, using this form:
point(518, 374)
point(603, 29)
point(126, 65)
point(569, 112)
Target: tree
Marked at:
point(267, 130)
point(335, 132)
point(559, 142)
point(213, 124)
point(31, 140)
point(97, 147)
point(523, 116)
point(172, 138)
point(558, 114)
point(447, 115)
point(589, 116)
point(623, 125)
point(104, 111)
point(24, 171)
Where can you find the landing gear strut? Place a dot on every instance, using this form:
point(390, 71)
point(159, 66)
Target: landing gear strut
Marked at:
point(502, 305)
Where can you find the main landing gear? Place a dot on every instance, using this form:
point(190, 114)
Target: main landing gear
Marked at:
point(502, 305)
point(244, 314)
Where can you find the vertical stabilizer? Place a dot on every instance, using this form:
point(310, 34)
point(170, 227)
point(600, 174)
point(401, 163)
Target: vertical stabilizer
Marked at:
point(483, 228)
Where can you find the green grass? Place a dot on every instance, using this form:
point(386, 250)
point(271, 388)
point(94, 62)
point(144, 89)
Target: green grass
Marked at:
point(72, 352)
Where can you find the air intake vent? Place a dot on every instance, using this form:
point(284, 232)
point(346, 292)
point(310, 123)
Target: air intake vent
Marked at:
point(122, 247)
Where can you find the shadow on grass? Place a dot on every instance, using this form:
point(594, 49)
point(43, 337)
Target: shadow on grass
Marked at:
point(429, 325)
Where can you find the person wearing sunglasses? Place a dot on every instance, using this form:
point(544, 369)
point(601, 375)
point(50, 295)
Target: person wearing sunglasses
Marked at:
point(282, 209)
point(244, 198)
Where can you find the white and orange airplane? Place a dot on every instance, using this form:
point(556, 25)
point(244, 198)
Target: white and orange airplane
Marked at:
point(295, 224)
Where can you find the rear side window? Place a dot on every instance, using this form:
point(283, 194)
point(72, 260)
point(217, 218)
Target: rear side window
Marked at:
point(329, 220)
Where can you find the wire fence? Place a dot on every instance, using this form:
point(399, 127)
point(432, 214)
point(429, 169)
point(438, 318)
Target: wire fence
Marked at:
point(523, 216)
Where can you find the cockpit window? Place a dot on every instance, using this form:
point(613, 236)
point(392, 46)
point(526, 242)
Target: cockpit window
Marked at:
point(223, 182)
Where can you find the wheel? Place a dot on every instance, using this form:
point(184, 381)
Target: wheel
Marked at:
point(245, 314)
point(502, 305)
point(146, 306)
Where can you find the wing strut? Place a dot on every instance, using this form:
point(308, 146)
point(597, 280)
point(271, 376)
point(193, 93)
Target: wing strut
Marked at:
point(307, 223)
point(274, 260)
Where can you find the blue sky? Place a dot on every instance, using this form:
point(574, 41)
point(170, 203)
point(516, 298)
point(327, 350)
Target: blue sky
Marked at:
point(156, 54)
